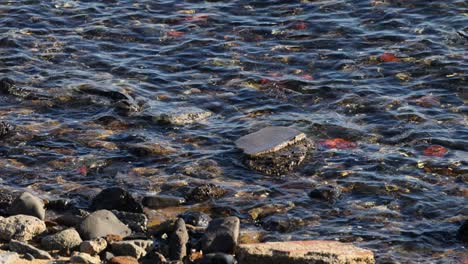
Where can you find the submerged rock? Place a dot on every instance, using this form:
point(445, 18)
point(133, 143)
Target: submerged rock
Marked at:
point(116, 198)
point(462, 234)
point(28, 204)
point(162, 201)
point(205, 192)
point(20, 227)
point(221, 236)
point(181, 115)
point(329, 193)
point(5, 129)
point(300, 252)
point(269, 139)
point(102, 223)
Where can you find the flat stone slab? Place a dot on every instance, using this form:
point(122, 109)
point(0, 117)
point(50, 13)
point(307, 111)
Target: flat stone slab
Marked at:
point(269, 139)
point(303, 252)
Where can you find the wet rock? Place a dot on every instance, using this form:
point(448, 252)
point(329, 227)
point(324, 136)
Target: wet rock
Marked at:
point(329, 193)
point(59, 205)
point(204, 169)
point(93, 247)
point(135, 221)
point(178, 241)
point(162, 201)
point(5, 129)
point(102, 223)
point(299, 252)
point(6, 84)
point(123, 260)
point(20, 227)
point(221, 236)
point(72, 218)
point(276, 223)
point(24, 248)
point(269, 139)
point(205, 192)
point(7, 257)
point(116, 199)
point(6, 198)
point(180, 115)
point(198, 219)
point(133, 248)
point(148, 149)
point(281, 161)
point(64, 240)
point(83, 258)
point(217, 258)
point(28, 204)
point(462, 234)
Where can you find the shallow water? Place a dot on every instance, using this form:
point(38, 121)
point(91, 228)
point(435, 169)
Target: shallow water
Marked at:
point(311, 65)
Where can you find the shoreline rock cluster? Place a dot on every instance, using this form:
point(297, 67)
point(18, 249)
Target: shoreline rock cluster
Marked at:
point(114, 230)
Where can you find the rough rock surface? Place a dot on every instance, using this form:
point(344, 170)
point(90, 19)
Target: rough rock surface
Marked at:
point(133, 248)
point(198, 219)
point(7, 257)
point(5, 129)
point(28, 204)
point(83, 258)
point(123, 260)
point(269, 139)
point(24, 248)
point(281, 161)
point(178, 241)
point(205, 192)
point(329, 193)
point(162, 201)
point(116, 198)
point(221, 236)
point(20, 227)
point(93, 247)
point(102, 223)
point(301, 252)
point(63, 240)
point(136, 221)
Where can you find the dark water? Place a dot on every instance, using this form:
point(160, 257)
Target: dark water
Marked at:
point(312, 65)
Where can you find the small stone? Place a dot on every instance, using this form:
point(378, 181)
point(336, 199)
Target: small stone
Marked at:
point(462, 234)
point(5, 129)
point(24, 248)
point(329, 193)
point(203, 169)
point(221, 236)
point(205, 192)
point(7, 257)
point(123, 260)
point(269, 139)
point(162, 201)
point(178, 241)
point(102, 223)
point(20, 227)
point(198, 219)
point(93, 247)
point(64, 240)
point(83, 258)
point(28, 204)
point(299, 252)
point(217, 258)
point(116, 198)
point(135, 221)
point(133, 248)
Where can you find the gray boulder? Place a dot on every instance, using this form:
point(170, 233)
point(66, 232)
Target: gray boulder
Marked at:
point(102, 223)
point(63, 240)
point(221, 236)
point(24, 248)
point(28, 204)
point(20, 227)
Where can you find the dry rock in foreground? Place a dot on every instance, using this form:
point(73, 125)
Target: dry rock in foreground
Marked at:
point(102, 223)
point(63, 240)
point(303, 252)
point(20, 227)
point(28, 204)
point(269, 139)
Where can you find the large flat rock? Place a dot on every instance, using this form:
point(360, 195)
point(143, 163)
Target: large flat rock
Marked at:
point(304, 252)
point(269, 139)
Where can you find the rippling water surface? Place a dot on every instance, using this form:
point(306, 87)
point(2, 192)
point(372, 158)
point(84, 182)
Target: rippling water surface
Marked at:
point(313, 65)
